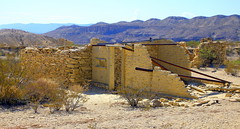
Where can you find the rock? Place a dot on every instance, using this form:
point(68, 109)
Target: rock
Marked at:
point(228, 95)
point(163, 100)
point(174, 103)
point(212, 102)
point(179, 100)
point(201, 103)
point(31, 116)
point(234, 100)
point(156, 103)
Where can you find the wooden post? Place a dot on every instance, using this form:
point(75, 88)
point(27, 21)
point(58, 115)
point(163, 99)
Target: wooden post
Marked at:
point(123, 68)
point(111, 62)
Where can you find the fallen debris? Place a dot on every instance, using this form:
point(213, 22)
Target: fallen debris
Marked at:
point(197, 89)
point(222, 89)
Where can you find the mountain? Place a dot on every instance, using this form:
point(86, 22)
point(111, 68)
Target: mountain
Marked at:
point(175, 28)
point(12, 37)
point(36, 28)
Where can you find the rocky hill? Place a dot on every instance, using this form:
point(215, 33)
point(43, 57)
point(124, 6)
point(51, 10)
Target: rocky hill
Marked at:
point(12, 37)
point(175, 28)
point(36, 27)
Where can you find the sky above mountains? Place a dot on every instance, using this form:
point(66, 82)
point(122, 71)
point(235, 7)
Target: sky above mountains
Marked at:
point(110, 11)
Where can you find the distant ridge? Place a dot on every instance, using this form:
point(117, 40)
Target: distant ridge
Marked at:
point(218, 27)
point(13, 37)
point(37, 27)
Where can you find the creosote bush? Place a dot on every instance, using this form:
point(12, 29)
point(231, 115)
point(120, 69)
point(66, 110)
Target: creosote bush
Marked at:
point(132, 96)
point(41, 90)
point(50, 94)
point(74, 98)
point(193, 44)
point(232, 67)
point(12, 79)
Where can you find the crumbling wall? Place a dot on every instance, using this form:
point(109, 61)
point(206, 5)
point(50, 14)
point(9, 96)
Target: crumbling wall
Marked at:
point(138, 58)
point(72, 65)
point(171, 53)
point(168, 84)
point(158, 81)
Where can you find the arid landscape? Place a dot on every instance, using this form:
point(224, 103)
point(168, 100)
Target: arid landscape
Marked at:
point(119, 64)
point(106, 110)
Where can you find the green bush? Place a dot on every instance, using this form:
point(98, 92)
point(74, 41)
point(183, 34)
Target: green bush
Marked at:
point(193, 44)
point(233, 67)
point(210, 57)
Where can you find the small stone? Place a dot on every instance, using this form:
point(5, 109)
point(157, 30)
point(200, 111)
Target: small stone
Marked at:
point(179, 100)
point(163, 100)
point(31, 116)
point(156, 103)
point(228, 95)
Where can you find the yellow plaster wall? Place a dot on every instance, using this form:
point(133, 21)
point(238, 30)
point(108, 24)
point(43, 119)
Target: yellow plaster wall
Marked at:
point(99, 74)
point(141, 59)
point(166, 83)
point(158, 81)
point(103, 73)
point(171, 53)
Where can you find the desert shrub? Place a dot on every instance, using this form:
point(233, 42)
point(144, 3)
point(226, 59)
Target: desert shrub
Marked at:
point(233, 67)
point(74, 98)
point(70, 99)
point(12, 80)
point(133, 96)
point(210, 57)
point(193, 44)
point(40, 91)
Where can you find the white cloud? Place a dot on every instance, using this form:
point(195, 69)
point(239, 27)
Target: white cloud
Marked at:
point(135, 14)
point(188, 15)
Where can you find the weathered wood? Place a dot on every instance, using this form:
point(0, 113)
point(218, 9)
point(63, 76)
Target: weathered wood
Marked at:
point(197, 89)
point(198, 78)
point(156, 63)
point(142, 69)
point(128, 49)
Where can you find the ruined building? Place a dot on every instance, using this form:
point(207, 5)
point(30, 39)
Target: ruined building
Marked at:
point(156, 66)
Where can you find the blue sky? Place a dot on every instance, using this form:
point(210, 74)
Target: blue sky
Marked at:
point(110, 11)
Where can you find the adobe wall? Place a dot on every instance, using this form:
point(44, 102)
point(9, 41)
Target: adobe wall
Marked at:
point(65, 65)
point(159, 81)
point(103, 65)
point(171, 53)
point(138, 58)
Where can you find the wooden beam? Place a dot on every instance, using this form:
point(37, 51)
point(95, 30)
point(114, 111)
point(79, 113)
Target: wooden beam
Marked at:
point(128, 49)
point(159, 44)
point(189, 69)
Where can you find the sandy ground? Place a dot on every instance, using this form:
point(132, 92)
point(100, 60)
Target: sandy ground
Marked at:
point(108, 111)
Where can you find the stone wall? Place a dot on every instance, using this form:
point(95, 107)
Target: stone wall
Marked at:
point(111, 66)
point(65, 65)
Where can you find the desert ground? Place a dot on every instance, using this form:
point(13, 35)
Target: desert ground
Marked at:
point(104, 110)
